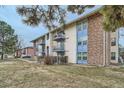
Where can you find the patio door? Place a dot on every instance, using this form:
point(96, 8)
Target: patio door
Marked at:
point(82, 43)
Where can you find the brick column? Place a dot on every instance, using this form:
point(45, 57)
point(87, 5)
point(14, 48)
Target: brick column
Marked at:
point(98, 41)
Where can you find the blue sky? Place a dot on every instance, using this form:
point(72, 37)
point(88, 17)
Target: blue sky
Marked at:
point(28, 33)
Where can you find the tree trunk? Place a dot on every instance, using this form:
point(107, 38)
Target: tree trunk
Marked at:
point(2, 56)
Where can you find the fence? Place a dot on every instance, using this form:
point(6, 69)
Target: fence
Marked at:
point(53, 60)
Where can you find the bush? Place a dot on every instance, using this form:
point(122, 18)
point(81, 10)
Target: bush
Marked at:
point(26, 57)
point(48, 60)
point(17, 57)
point(63, 60)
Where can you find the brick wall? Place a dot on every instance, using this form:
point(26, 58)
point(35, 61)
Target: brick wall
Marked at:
point(95, 40)
point(30, 51)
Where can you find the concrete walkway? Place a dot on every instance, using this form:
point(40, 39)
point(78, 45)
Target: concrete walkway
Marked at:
point(29, 61)
point(7, 62)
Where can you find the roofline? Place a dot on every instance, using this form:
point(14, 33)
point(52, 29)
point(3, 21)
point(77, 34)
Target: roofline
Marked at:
point(39, 37)
point(25, 48)
point(28, 47)
point(79, 18)
point(71, 22)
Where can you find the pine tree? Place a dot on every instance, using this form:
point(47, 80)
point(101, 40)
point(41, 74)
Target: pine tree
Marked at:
point(113, 17)
point(51, 16)
point(7, 39)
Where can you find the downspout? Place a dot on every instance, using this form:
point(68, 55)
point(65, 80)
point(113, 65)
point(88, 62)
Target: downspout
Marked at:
point(104, 49)
point(118, 45)
point(107, 48)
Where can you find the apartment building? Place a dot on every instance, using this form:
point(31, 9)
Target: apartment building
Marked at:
point(25, 52)
point(84, 41)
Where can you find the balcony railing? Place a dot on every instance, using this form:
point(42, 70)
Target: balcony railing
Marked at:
point(59, 37)
point(42, 43)
point(58, 49)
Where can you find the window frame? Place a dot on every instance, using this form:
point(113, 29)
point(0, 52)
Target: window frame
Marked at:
point(79, 26)
point(113, 41)
point(48, 36)
point(113, 55)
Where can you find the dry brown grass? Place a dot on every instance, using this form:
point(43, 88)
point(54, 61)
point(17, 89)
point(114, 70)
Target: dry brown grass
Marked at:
point(22, 74)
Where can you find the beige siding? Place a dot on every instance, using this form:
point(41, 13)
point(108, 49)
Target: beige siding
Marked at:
point(39, 41)
point(70, 43)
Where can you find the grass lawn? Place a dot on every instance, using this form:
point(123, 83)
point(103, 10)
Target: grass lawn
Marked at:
point(22, 74)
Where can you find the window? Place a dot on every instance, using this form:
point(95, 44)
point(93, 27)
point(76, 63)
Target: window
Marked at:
point(43, 48)
point(79, 43)
point(82, 40)
point(113, 55)
point(79, 27)
point(85, 42)
point(113, 42)
point(47, 36)
point(39, 48)
point(84, 26)
point(79, 56)
point(84, 56)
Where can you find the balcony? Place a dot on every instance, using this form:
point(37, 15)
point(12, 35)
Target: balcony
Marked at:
point(42, 52)
point(59, 37)
point(58, 49)
point(42, 43)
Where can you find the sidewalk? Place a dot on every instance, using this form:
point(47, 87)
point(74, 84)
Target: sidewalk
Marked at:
point(29, 61)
